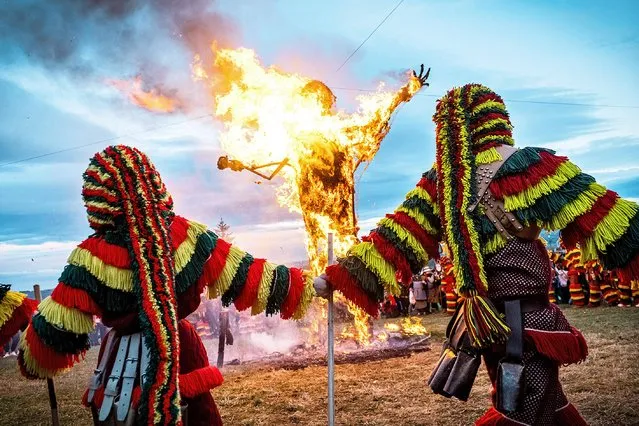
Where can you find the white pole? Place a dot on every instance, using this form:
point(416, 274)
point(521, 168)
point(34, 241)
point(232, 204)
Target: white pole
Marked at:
point(331, 340)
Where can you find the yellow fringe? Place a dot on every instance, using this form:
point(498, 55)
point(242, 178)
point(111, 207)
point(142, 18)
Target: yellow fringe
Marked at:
point(99, 188)
point(67, 319)
point(223, 282)
point(94, 168)
point(119, 279)
point(582, 204)
point(488, 104)
point(406, 236)
point(502, 138)
point(614, 225)
point(419, 218)
point(547, 185)
point(184, 253)
point(102, 205)
point(496, 243)
point(488, 156)
point(10, 301)
point(264, 289)
point(422, 194)
point(368, 254)
point(307, 296)
point(488, 124)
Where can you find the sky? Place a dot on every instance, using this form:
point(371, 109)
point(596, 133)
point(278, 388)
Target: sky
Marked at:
point(567, 70)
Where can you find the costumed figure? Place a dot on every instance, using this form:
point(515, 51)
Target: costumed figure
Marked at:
point(448, 281)
point(488, 201)
point(635, 292)
point(609, 288)
point(142, 272)
point(625, 290)
point(594, 273)
point(575, 271)
point(16, 310)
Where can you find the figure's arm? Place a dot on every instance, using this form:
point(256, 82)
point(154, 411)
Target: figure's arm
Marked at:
point(58, 335)
point(16, 310)
point(400, 246)
point(541, 187)
point(236, 276)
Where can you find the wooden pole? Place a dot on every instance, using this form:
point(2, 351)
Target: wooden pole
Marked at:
point(224, 326)
point(53, 400)
point(331, 344)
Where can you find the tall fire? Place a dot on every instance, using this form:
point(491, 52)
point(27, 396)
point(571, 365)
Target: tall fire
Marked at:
point(152, 99)
point(290, 123)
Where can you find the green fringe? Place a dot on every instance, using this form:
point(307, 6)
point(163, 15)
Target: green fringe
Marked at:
point(411, 258)
point(279, 290)
point(520, 161)
point(366, 278)
point(431, 175)
point(239, 279)
point(626, 248)
point(424, 208)
point(192, 271)
point(117, 237)
point(109, 299)
point(549, 205)
point(59, 340)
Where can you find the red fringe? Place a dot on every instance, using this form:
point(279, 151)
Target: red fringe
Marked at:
point(213, 267)
point(200, 381)
point(108, 253)
point(429, 186)
point(516, 183)
point(75, 298)
point(46, 357)
point(23, 369)
point(492, 417)
point(485, 119)
point(20, 318)
point(427, 241)
point(178, 233)
point(583, 226)
point(251, 286)
point(561, 346)
point(98, 192)
point(294, 293)
point(391, 254)
point(485, 98)
point(569, 415)
point(341, 280)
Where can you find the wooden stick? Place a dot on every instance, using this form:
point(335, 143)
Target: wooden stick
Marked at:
point(331, 344)
point(53, 400)
point(224, 325)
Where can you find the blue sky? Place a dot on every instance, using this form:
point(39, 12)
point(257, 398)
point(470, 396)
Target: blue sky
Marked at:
point(55, 59)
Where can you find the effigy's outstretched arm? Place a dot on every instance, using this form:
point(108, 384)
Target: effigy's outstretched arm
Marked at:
point(541, 187)
point(377, 128)
point(400, 246)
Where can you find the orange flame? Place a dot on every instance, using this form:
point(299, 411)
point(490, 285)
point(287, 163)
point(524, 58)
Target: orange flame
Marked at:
point(271, 116)
point(151, 100)
point(411, 326)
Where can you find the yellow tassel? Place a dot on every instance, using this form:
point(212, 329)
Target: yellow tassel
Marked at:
point(488, 156)
point(10, 301)
point(582, 204)
point(407, 237)
point(493, 245)
point(67, 319)
point(418, 217)
point(264, 289)
point(614, 225)
point(307, 297)
point(223, 282)
point(547, 185)
point(489, 104)
point(182, 256)
point(119, 279)
point(368, 254)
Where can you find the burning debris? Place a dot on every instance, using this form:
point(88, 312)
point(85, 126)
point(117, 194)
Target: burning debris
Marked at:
point(152, 100)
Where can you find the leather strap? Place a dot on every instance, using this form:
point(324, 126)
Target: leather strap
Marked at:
point(515, 344)
point(111, 388)
point(486, 173)
point(129, 376)
point(98, 374)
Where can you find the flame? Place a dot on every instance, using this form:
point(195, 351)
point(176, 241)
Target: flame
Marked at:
point(151, 100)
point(362, 328)
point(411, 326)
point(271, 116)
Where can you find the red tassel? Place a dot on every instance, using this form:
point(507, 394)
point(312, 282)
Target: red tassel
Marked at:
point(565, 347)
point(342, 281)
point(179, 228)
point(569, 415)
point(516, 183)
point(213, 267)
point(429, 186)
point(492, 417)
point(46, 357)
point(583, 226)
point(75, 298)
point(426, 240)
point(294, 293)
point(108, 253)
point(251, 286)
point(200, 381)
point(20, 318)
point(391, 254)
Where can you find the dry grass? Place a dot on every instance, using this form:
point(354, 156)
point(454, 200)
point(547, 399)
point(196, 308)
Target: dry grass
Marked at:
point(376, 393)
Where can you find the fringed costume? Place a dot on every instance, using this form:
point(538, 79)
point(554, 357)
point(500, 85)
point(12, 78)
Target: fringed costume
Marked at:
point(497, 258)
point(16, 310)
point(594, 273)
point(448, 282)
point(575, 272)
point(143, 271)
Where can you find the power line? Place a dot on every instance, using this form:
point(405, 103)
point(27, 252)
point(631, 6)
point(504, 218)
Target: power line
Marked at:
point(101, 141)
point(370, 35)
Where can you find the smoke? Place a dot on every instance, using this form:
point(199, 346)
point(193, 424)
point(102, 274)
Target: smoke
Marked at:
point(101, 37)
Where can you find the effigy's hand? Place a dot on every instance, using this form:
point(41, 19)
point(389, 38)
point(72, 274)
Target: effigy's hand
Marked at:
point(421, 76)
point(322, 286)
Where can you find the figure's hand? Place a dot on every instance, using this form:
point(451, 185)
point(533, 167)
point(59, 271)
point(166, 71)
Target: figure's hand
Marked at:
point(322, 287)
point(422, 77)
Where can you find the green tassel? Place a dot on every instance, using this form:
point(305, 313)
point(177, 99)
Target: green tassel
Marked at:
point(625, 248)
point(279, 290)
point(485, 324)
point(59, 340)
point(192, 271)
point(520, 161)
point(366, 278)
point(412, 259)
point(109, 299)
point(235, 288)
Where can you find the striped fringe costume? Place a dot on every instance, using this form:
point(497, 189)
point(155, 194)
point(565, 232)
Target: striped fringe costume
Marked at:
point(16, 310)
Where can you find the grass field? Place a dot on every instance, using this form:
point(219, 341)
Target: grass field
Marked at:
point(604, 388)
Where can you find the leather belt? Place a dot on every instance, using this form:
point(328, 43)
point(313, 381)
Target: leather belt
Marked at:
point(129, 376)
point(527, 304)
point(111, 388)
point(514, 319)
point(98, 374)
